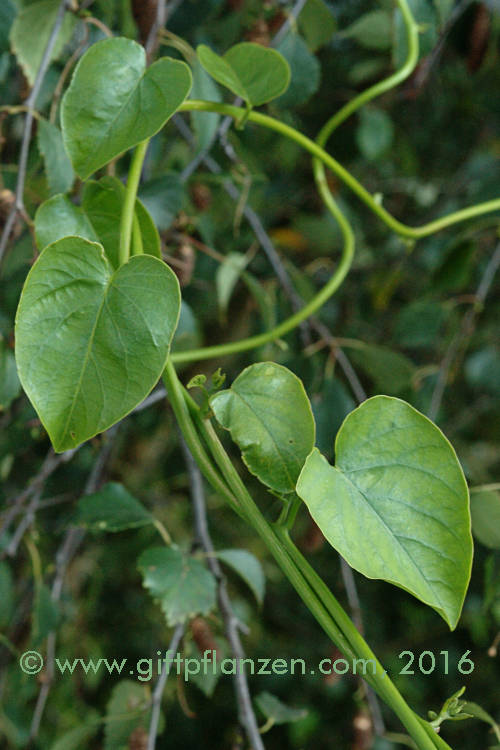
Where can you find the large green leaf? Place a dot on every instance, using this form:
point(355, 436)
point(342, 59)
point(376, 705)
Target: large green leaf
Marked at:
point(30, 33)
point(269, 416)
point(97, 219)
point(396, 504)
point(181, 583)
point(255, 73)
point(91, 343)
point(112, 508)
point(104, 115)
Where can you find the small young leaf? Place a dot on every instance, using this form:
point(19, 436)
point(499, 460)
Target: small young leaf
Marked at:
point(30, 34)
point(197, 381)
point(182, 584)
point(248, 567)
point(104, 115)
point(10, 387)
point(485, 512)
point(90, 343)
point(112, 508)
point(277, 711)
point(60, 175)
point(396, 504)
point(269, 416)
point(256, 74)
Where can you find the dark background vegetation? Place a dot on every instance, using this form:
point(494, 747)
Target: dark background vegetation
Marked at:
point(429, 147)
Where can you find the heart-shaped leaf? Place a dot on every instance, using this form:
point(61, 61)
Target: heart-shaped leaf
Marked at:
point(97, 219)
point(396, 505)
point(91, 343)
point(269, 416)
point(181, 583)
point(104, 115)
point(257, 74)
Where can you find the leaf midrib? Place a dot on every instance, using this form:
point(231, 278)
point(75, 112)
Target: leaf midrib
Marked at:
point(87, 357)
point(393, 536)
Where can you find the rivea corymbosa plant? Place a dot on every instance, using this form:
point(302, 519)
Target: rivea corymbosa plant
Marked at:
point(94, 329)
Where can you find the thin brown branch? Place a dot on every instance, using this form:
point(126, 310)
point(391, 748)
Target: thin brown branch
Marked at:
point(71, 542)
point(245, 709)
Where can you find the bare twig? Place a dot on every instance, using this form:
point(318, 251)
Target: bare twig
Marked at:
point(49, 466)
point(18, 206)
point(245, 709)
point(152, 41)
point(160, 687)
point(461, 339)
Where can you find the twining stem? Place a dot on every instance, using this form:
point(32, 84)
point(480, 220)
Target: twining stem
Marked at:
point(381, 86)
point(294, 320)
point(317, 151)
point(322, 158)
point(176, 397)
point(312, 590)
point(128, 210)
